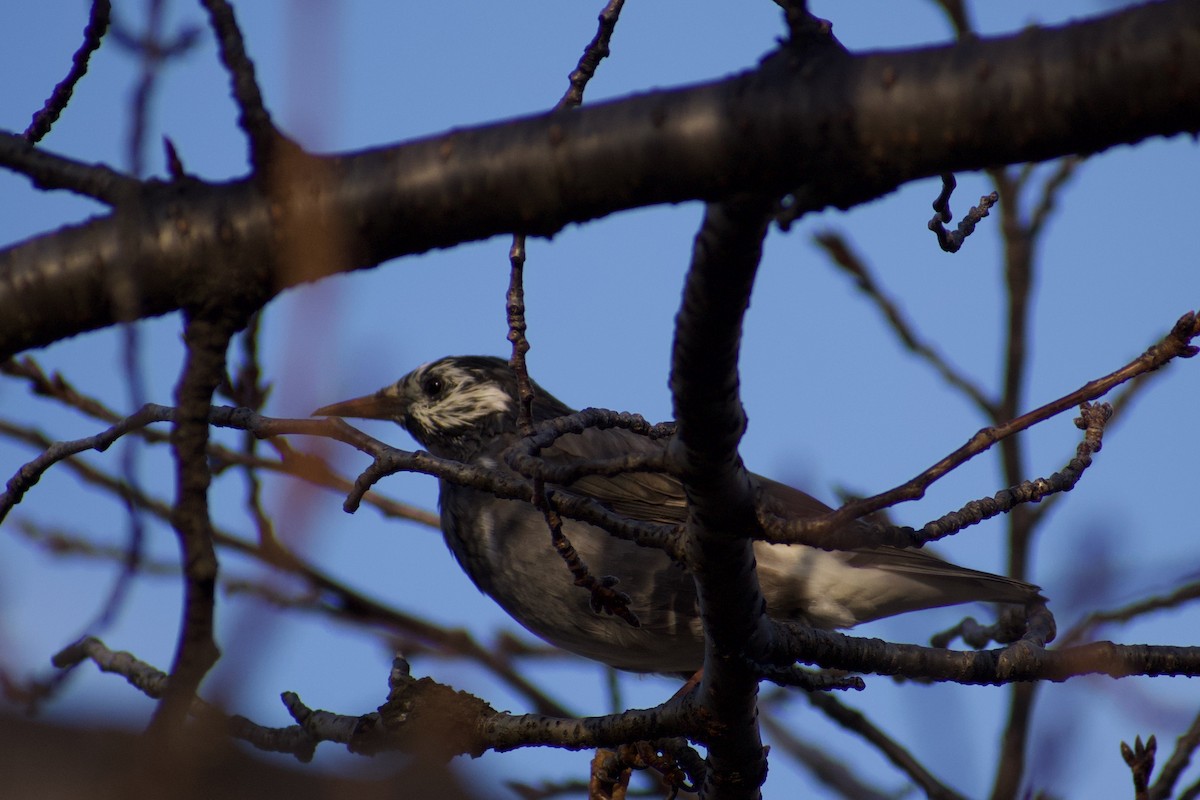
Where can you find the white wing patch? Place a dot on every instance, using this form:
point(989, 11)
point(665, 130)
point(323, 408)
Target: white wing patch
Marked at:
point(462, 403)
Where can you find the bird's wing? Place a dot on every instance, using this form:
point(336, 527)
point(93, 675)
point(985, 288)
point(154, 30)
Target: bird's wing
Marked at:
point(650, 496)
point(655, 496)
point(927, 579)
point(788, 502)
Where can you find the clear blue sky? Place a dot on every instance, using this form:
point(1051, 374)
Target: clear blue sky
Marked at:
point(833, 400)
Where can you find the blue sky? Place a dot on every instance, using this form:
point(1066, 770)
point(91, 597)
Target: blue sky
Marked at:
point(833, 400)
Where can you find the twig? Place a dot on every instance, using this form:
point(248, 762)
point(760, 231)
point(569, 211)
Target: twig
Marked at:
point(59, 542)
point(45, 118)
point(1008, 628)
point(307, 467)
point(596, 51)
point(959, 16)
point(523, 455)
point(389, 460)
point(1092, 420)
point(31, 472)
point(153, 683)
point(794, 676)
point(1080, 631)
point(125, 295)
point(1020, 239)
point(247, 390)
point(1140, 760)
point(828, 771)
point(515, 309)
point(603, 596)
point(253, 117)
point(349, 604)
point(1120, 401)
point(830, 529)
point(856, 722)
point(952, 242)
point(1063, 172)
point(196, 651)
point(48, 170)
point(1185, 746)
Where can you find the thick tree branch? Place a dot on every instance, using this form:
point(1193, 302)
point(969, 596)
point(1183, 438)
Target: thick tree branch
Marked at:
point(846, 129)
point(722, 518)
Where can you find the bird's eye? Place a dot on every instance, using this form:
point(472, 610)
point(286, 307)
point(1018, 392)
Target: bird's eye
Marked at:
point(432, 385)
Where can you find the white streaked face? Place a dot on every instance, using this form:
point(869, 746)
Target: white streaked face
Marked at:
point(443, 398)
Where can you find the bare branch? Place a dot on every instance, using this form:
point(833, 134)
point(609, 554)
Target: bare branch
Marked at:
point(1025, 660)
point(45, 118)
point(522, 456)
point(721, 499)
point(953, 242)
point(1185, 747)
point(306, 466)
point(1080, 631)
point(419, 716)
point(837, 776)
point(344, 602)
point(63, 543)
point(856, 722)
point(1092, 420)
point(782, 127)
point(253, 118)
point(827, 531)
point(959, 16)
point(31, 472)
point(49, 171)
point(196, 649)
point(390, 460)
point(595, 52)
point(153, 683)
point(603, 594)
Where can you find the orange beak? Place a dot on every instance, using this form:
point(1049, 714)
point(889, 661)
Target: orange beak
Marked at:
point(371, 406)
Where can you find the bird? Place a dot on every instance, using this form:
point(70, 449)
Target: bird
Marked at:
point(465, 408)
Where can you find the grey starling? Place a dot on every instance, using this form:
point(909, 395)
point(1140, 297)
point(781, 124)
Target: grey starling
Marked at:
point(465, 408)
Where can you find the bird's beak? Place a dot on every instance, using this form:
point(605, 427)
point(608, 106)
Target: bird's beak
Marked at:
point(371, 406)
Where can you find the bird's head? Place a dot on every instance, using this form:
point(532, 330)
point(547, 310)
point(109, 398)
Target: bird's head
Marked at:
point(448, 405)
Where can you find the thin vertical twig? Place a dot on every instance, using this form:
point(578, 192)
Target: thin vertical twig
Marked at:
point(603, 595)
point(196, 649)
point(1020, 239)
point(253, 117)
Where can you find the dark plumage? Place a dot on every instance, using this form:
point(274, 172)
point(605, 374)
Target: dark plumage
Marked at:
point(464, 408)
